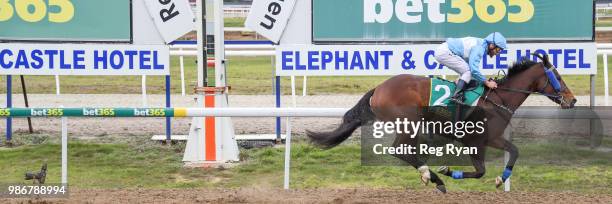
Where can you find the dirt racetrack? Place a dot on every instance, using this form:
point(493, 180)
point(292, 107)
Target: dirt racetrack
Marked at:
point(247, 195)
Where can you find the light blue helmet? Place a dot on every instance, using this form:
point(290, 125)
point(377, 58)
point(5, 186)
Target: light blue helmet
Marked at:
point(497, 39)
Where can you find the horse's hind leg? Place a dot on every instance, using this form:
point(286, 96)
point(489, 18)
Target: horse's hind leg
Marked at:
point(426, 174)
point(477, 161)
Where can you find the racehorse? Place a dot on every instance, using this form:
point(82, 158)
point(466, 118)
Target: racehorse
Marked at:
point(524, 78)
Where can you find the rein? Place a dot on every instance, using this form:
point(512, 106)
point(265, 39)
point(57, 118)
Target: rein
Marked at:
point(556, 96)
point(550, 80)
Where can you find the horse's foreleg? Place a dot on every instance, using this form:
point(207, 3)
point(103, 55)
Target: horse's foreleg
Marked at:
point(513, 151)
point(507, 146)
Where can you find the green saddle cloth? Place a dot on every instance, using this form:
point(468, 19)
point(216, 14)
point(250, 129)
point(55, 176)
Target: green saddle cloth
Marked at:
point(442, 90)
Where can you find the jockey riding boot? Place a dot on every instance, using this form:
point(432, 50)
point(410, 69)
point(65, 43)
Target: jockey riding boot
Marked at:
point(458, 96)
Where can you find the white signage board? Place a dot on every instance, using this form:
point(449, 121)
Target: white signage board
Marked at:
point(84, 59)
point(269, 17)
point(418, 59)
point(173, 18)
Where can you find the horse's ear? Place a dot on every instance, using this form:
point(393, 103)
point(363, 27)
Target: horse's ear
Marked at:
point(546, 61)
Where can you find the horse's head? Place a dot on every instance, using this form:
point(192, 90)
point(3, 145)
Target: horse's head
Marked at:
point(549, 82)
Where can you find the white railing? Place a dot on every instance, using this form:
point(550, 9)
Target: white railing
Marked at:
point(231, 12)
point(603, 11)
point(227, 47)
point(324, 112)
point(232, 50)
point(605, 49)
point(237, 29)
point(268, 50)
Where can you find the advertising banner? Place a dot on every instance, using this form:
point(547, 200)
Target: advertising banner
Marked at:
point(65, 20)
point(79, 59)
point(384, 60)
point(436, 20)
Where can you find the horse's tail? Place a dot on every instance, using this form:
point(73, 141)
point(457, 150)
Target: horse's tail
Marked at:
point(355, 117)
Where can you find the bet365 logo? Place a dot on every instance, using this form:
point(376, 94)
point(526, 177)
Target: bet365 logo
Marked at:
point(58, 11)
point(411, 11)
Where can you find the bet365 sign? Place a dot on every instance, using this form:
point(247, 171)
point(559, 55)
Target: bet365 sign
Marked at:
point(70, 20)
point(427, 20)
point(415, 13)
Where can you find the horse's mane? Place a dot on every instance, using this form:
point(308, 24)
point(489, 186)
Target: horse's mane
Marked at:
point(517, 68)
point(520, 66)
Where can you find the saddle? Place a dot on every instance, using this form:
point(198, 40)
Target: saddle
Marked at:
point(472, 85)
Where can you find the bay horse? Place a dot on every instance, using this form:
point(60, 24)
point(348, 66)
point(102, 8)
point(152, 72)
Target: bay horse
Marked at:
point(524, 78)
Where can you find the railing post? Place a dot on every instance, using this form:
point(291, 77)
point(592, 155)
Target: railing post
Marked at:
point(592, 105)
point(64, 178)
point(606, 86)
point(144, 91)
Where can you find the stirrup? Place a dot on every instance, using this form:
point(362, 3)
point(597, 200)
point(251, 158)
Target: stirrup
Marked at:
point(458, 100)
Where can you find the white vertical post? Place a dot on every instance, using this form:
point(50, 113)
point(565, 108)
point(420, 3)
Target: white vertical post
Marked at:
point(273, 64)
point(292, 87)
point(288, 137)
point(220, 77)
point(607, 91)
point(194, 153)
point(592, 95)
point(507, 184)
point(144, 91)
point(64, 151)
point(201, 58)
point(57, 85)
point(182, 66)
point(507, 136)
point(304, 86)
point(287, 155)
point(293, 96)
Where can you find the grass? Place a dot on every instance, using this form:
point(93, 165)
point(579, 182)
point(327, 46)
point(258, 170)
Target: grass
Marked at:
point(246, 75)
point(234, 22)
point(555, 167)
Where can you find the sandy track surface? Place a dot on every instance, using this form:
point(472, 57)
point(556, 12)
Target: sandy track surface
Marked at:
point(313, 196)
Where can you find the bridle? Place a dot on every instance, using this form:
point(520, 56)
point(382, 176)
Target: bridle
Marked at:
point(551, 80)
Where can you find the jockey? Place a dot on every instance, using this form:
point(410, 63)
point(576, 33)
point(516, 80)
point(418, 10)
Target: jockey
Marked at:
point(463, 55)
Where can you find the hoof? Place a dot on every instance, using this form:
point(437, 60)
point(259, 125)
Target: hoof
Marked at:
point(425, 177)
point(441, 188)
point(443, 170)
point(498, 182)
point(425, 180)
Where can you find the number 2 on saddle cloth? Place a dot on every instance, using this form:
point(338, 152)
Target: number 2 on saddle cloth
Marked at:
point(442, 106)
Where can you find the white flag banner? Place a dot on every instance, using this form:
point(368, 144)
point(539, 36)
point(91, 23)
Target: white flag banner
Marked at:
point(269, 17)
point(173, 18)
